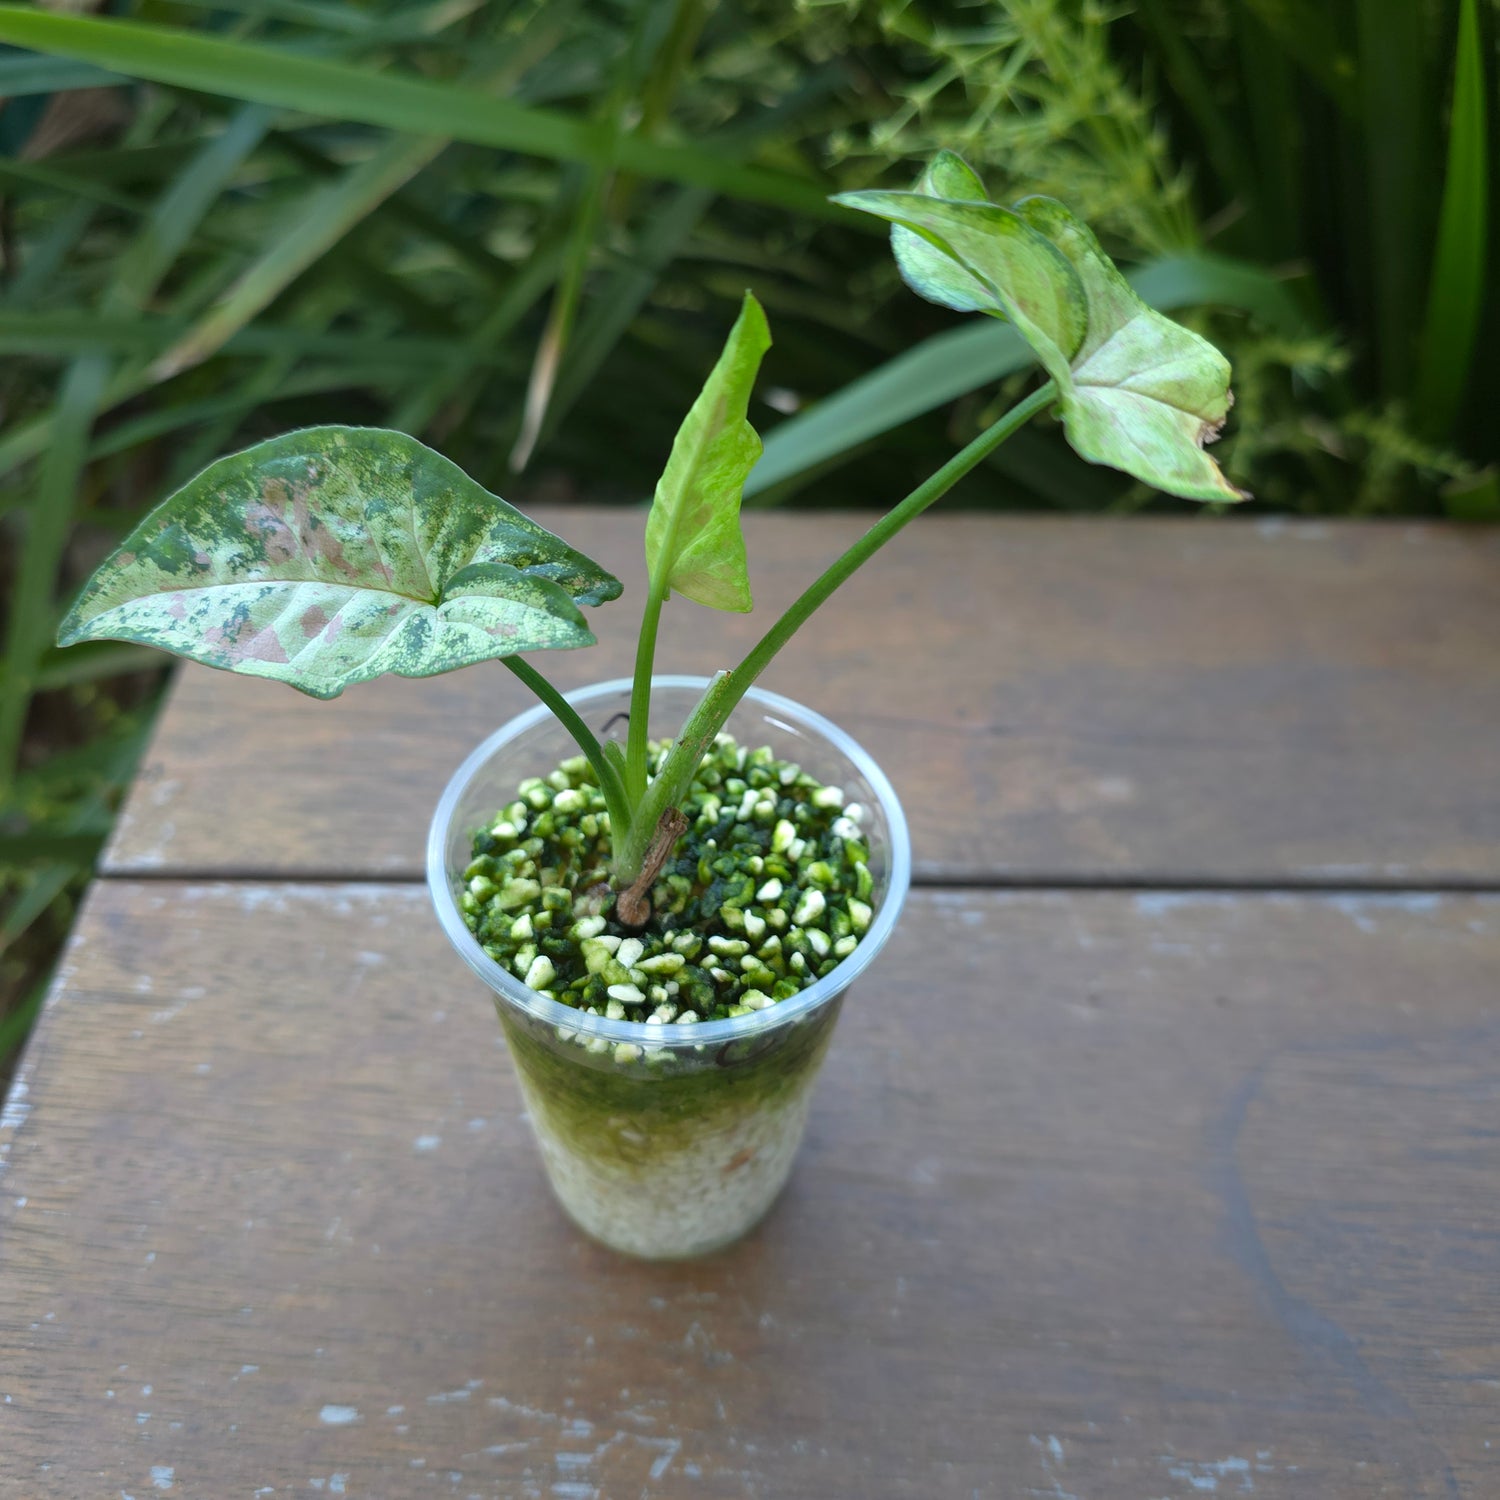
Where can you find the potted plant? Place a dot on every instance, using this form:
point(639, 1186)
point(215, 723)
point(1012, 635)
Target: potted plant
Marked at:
point(667, 884)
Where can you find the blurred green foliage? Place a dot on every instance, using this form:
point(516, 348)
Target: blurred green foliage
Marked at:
point(1345, 143)
point(519, 228)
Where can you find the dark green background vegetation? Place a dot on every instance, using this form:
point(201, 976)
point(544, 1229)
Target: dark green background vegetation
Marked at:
point(203, 245)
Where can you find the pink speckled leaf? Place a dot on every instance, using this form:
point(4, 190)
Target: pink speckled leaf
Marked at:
point(337, 554)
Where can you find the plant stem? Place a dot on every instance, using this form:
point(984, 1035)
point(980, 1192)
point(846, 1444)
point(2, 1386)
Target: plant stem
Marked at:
point(640, 695)
point(878, 535)
point(725, 692)
point(609, 779)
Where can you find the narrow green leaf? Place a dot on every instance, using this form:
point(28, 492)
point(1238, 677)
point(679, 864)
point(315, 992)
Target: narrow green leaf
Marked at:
point(1143, 393)
point(455, 382)
point(39, 890)
point(620, 298)
point(323, 217)
point(1401, 146)
point(122, 436)
point(1016, 272)
point(61, 334)
point(334, 555)
point(24, 73)
point(1456, 297)
point(930, 272)
point(44, 540)
point(1190, 83)
point(16, 1026)
point(49, 253)
point(316, 223)
point(92, 662)
point(693, 539)
point(1475, 499)
point(40, 177)
point(1309, 34)
point(180, 210)
point(47, 846)
point(585, 215)
point(270, 75)
point(558, 329)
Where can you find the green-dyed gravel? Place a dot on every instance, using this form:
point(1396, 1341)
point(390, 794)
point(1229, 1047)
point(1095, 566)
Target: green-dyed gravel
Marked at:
point(768, 890)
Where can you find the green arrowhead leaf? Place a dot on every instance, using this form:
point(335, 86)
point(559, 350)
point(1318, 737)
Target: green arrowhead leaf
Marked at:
point(1019, 273)
point(933, 273)
point(337, 554)
point(693, 538)
point(1142, 393)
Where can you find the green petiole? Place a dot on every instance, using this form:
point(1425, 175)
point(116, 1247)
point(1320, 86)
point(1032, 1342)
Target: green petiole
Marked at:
point(615, 798)
point(725, 691)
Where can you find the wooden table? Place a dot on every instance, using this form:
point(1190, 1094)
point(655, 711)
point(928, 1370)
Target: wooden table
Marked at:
point(1159, 1156)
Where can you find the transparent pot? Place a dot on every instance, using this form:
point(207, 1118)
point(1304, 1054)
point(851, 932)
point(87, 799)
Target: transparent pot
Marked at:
point(677, 1142)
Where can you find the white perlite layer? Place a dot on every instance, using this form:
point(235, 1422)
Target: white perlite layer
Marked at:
point(677, 1202)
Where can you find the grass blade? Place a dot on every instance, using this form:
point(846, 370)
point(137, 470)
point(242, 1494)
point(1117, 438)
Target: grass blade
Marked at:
point(92, 662)
point(1457, 294)
point(1400, 148)
point(44, 847)
point(64, 334)
point(321, 219)
point(1193, 88)
point(32, 614)
point(430, 396)
point(55, 247)
point(179, 211)
point(39, 889)
point(621, 298)
point(24, 73)
point(268, 75)
point(30, 174)
point(307, 232)
point(1307, 34)
point(16, 1026)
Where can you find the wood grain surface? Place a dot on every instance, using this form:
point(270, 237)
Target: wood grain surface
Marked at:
point(1173, 702)
point(1105, 1195)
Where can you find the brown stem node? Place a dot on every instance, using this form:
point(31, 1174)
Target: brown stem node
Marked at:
point(633, 905)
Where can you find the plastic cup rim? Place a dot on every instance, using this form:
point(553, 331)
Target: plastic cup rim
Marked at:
point(554, 1012)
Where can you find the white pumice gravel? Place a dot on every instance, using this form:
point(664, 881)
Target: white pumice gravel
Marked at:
point(705, 1186)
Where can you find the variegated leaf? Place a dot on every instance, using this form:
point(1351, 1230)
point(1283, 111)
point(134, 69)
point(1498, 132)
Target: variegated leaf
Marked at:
point(693, 539)
point(337, 554)
point(1014, 272)
point(1143, 393)
point(933, 273)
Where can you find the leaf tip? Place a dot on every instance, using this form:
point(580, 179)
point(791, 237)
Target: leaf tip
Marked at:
point(753, 319)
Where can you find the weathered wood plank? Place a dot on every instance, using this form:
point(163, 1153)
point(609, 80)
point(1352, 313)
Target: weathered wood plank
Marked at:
point(1183, 1194)
point(1175, 702)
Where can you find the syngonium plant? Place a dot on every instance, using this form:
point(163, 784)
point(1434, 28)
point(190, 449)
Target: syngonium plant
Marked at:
point(334, 555)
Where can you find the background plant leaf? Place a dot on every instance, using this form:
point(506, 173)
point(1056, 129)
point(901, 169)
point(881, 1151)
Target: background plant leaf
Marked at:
point(1456, 294)
point(693, 539)
point(334, 555)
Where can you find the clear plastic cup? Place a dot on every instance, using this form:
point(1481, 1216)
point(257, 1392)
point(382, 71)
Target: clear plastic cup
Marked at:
point(678, 1148)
